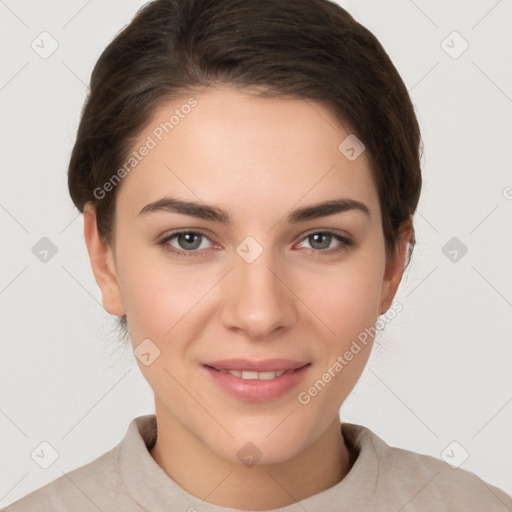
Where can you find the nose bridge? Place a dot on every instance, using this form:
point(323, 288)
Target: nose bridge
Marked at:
point(258, 303)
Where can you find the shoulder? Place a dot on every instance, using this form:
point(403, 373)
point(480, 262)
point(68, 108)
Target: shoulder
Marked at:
point(424, 482)
point(77, 490)
point(98, 485)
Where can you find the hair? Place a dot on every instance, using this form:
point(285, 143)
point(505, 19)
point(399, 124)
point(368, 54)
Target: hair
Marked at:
point(306, 49)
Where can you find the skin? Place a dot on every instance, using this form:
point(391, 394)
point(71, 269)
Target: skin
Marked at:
point(258, 159)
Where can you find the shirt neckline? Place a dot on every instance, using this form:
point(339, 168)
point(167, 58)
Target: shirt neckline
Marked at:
point(155, 491)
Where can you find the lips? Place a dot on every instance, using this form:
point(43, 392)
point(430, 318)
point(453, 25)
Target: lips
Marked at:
point(257, 381)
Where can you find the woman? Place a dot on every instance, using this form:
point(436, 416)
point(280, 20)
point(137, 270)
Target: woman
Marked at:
point(248, 173)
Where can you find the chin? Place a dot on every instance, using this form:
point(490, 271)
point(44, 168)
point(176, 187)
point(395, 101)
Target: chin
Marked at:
point(263, 446)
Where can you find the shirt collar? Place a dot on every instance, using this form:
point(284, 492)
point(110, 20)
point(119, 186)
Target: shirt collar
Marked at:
point(155, 491)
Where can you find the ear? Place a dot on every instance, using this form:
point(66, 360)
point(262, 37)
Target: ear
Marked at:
point(395, 267)
point(102, 263)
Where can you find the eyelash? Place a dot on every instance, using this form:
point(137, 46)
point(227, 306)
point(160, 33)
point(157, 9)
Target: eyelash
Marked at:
point(344, 243)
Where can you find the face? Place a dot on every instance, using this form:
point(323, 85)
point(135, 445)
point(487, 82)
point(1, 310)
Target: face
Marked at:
point(247, 245)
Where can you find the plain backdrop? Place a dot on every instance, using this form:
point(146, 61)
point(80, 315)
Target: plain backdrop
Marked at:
point(440, 372)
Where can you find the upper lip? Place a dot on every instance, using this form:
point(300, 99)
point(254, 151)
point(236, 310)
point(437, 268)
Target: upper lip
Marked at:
point(264, 365)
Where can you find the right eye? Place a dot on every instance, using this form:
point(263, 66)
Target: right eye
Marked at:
point(185, 243)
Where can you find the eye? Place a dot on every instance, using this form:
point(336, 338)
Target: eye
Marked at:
point(186, 243)
point(326, 241)
point(192, 243)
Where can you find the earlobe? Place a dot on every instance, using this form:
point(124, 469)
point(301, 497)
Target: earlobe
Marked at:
point(395, 268)
point(102, 263)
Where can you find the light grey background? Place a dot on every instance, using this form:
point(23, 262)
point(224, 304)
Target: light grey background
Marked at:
point(440, 372)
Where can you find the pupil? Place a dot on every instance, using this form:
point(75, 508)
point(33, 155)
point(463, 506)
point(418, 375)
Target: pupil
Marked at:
point(317, 239)
point(189, 242)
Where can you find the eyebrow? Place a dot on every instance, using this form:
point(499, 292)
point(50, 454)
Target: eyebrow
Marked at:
point(210, 212)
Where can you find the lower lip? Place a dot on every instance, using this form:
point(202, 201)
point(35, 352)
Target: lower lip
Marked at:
point(254, 390)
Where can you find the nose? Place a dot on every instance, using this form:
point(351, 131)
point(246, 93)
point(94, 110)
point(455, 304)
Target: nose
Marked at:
point(258, 298)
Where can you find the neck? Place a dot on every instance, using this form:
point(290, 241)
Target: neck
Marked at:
point(202, 473)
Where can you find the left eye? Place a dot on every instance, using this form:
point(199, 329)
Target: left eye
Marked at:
point(322, 240)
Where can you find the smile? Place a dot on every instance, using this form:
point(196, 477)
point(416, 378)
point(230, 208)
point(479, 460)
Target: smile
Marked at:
point(257, 381)
point(248, 375)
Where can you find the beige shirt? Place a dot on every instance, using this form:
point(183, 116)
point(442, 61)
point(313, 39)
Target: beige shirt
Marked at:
point(382, 478)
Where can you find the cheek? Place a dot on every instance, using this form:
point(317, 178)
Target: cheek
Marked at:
point(342, 360)
point(157, 295)
point(345, 297)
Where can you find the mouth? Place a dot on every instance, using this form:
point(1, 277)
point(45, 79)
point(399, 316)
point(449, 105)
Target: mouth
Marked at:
point(257, 381)
point(250, 375)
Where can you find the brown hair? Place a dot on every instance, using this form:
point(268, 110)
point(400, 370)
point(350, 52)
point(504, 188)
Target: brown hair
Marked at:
point(311, 49)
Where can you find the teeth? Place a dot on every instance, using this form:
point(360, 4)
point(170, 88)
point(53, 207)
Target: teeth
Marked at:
point(267, 375)
point(249, 375)
point(255, 375)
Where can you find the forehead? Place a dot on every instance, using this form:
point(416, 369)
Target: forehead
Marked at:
point(224, 145)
